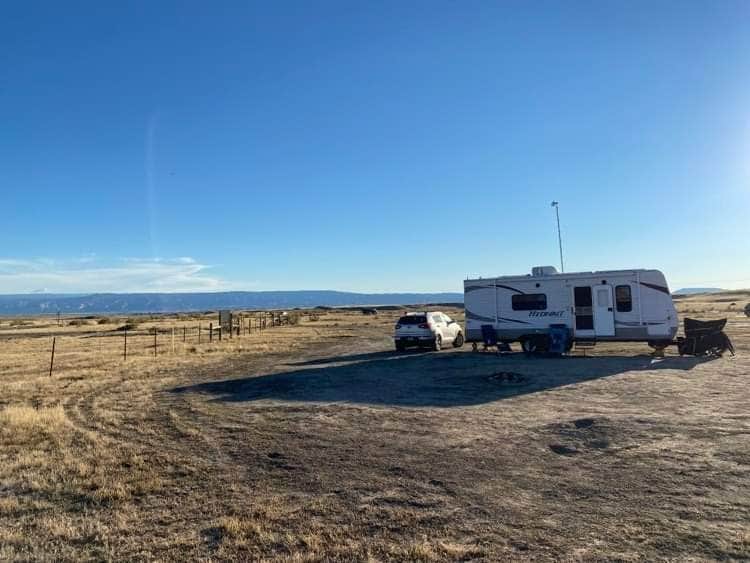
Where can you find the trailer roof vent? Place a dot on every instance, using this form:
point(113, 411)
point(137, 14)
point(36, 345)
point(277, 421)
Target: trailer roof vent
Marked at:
point(543, 271)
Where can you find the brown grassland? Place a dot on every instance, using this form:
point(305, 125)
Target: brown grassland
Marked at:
point(317, 442)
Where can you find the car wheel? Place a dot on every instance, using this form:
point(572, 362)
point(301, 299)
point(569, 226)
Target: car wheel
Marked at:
point(459, 340)
point(438, 343)
point(400, 347)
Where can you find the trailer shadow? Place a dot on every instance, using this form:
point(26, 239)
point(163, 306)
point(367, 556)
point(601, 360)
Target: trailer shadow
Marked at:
point(366, 356)
point(428, 380)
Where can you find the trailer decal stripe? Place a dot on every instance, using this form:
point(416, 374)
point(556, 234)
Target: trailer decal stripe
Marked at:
point(474, 317)
point(512, 320)
point(510, 288)
point(469, 288)
point(656, 287)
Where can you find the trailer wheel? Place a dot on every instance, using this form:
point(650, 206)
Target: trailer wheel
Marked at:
point(474, 347)
point(534, 344)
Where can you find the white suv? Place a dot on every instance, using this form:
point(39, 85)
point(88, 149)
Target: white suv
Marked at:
point(434, 329)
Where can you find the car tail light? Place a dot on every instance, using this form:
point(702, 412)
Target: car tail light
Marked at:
point(398, 327)
point(424, 325)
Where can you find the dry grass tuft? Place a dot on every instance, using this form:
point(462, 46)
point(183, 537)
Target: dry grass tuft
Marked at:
point(24, 424)
point(9, 505)
point(111, 493)
point(244, 529)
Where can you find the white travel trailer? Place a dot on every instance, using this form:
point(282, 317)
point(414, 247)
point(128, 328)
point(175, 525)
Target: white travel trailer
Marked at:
point(620, 305)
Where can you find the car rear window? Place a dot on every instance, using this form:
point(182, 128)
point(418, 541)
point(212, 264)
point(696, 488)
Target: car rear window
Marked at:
point(412, 320)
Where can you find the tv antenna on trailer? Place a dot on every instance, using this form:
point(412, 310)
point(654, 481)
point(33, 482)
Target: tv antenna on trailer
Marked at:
point(556, 205)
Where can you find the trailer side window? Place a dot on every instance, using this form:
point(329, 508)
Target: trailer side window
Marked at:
point(529, 301)
point(623, 298)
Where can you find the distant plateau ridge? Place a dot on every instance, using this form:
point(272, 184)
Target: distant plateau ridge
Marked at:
point(109, 303)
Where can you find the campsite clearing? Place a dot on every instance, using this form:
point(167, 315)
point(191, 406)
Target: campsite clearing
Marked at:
point(318, 441)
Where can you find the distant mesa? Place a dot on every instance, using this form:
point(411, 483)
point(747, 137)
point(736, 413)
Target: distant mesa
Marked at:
point(696, 290)
point(39, 303)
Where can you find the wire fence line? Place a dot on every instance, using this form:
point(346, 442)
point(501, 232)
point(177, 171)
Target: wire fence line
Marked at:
point(51, 353)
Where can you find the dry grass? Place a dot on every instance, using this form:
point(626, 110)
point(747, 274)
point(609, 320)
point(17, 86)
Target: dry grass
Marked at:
point(25, 425)
point(311, 442)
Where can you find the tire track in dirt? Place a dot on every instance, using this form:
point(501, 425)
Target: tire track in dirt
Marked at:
point(224, 436)
point(151, 417)
point(148, 431)
point(79, 410)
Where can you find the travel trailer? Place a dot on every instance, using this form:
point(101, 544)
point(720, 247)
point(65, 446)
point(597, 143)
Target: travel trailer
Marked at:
point(618, 305)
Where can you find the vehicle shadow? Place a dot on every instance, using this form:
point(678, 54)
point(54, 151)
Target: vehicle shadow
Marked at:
point(429, 380)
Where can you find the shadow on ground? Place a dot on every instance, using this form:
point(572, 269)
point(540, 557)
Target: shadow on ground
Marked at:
point(428, 380)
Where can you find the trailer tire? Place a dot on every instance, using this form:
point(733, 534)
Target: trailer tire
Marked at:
point(459, 340)
point(534, 344)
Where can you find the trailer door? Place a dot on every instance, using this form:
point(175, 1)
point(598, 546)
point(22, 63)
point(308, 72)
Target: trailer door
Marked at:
point(604, 311)
point(584, 311)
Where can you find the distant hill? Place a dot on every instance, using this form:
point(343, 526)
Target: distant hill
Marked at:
point(694, 290)
point(112, 303)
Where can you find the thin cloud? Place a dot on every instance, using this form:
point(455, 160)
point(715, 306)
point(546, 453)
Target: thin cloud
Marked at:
point(92, 275)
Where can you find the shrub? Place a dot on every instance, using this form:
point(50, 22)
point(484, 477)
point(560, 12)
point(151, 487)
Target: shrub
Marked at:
point(293, 318)
point(131, 323)
point(78, 322)
point(104, 321)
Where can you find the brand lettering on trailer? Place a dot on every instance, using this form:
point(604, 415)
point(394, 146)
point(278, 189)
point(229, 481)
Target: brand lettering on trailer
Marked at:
point(546, 313)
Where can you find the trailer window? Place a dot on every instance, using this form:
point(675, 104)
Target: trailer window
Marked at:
point(529, 302)
point(623, 298)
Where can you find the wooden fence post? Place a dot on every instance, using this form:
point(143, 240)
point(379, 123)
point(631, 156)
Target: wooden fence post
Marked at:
point(184, 334)
point(52, 361)
point(210, 332)
point(199, 333)
point(219, 333)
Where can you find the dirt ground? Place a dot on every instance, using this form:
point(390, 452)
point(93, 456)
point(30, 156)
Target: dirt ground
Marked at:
point(318, 442)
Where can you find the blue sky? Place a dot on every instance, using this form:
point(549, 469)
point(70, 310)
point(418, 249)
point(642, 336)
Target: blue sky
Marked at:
point(374, 146)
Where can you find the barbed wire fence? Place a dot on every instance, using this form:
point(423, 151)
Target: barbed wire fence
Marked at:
point(61, 351)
